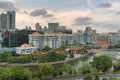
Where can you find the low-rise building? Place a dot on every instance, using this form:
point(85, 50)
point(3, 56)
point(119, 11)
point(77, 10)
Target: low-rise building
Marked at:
point(25, 49)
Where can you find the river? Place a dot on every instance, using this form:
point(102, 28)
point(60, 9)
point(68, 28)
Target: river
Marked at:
point(78, 63)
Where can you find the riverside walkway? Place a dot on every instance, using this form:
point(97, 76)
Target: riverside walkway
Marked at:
point(101, 76)
point(36, 63)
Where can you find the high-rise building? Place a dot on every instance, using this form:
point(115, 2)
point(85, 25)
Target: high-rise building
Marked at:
point(11, 20)
point(94, 31)
point(1, 40)
point(89, 30)
point(7, 21)
point(118, 31)
point(3, 21)
point(16, 38)
point(37, 26)
point(79, 31)
point(53, 26)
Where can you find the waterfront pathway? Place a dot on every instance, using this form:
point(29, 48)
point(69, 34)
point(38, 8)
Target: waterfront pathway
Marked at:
point(101, 76)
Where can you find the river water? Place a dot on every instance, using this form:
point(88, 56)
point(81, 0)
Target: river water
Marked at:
point(78, 63)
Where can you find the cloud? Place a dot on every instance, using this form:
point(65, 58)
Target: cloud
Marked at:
point(118, 13)
point(90, 3)
point(105, 5)
point(83, 21)
point(41, 12)
point(48, 15)
point(7, 6)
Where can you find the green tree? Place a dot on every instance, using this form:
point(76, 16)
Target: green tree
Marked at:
point(96, 77)
point(53, 56)
point(87, 77)
point(84, 51)
point(46, 48)
point(85, 68)
point(71, 55)
point(45, 70)
point(43, 58)
point(15, 73)
point(66, 67)
point(112, 78)
point(35, 78)
point(104, 78)
point(20, 59)
point(102, 62)
point(5, 56)
point(20, 73)
point(62, 47)
point(117, 65)
point(55, 73)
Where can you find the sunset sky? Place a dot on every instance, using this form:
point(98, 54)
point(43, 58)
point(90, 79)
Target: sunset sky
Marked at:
point(103, 15)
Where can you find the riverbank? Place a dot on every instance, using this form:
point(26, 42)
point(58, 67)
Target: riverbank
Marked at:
point(4, 64)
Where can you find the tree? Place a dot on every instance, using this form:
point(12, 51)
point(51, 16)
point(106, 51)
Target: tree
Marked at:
point(55, 73)
point(117, 65)
point(84, 51)
point(102, 62)
point(85, 68)
point(96, 77)
point(45, 70)
point(15, 73)
point(104, 78)
point(62, 47)
point(71, 55)
point(35, 78)
point(87, 77)
point(43, 58)
point(46, 48)
point(20, 73)
point(5, 56)
point(66, 68)
point(111, 78)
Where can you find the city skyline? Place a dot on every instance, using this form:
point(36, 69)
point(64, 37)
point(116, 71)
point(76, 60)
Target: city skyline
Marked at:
point(102, 15)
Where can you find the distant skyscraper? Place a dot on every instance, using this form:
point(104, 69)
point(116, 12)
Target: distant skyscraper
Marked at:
point(94, 31)
point(1, 40)
point(118, 31)
point(62, 27)
point(3, 21)
point(7, 21)
point(53, 26)
point(37, 26)
point(79, 31)
point(11, 20)
point(87, 37)
point(89, 30)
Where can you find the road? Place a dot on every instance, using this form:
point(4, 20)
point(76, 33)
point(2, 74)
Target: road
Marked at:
point(101, 76)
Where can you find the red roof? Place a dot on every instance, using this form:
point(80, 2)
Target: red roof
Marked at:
point(76, 48)
point(25, 45)
point(35, 33)
point(60, 52)
point(44, 53)
point(103, 43)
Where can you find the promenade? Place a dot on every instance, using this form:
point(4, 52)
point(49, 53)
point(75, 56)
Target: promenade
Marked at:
point(36, 63)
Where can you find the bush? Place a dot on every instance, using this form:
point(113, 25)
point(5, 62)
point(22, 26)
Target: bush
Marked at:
point(85, 68)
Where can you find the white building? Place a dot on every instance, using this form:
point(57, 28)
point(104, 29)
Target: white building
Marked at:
point(54, 40)
point(25, 49)
point(109, 37)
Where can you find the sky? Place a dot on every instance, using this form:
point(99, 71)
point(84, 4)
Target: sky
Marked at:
point(102, 15)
